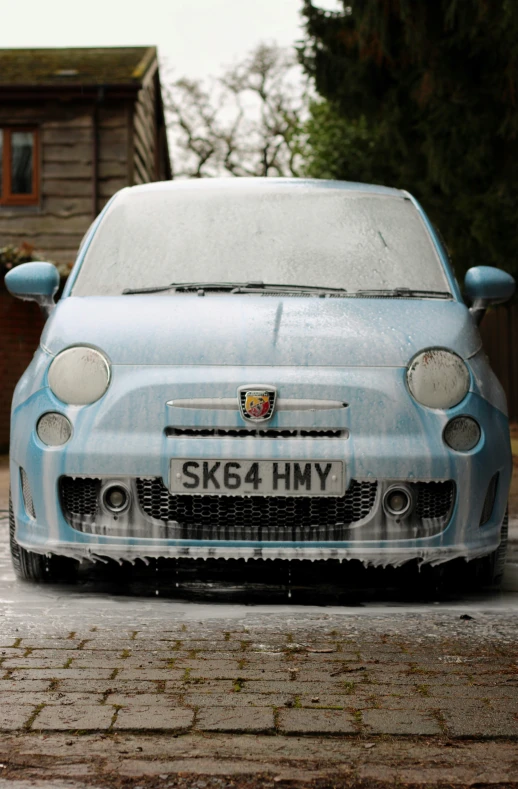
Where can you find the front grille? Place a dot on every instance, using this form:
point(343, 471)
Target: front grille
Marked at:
point(218, 432)
point(256, 517)
point(433, 499)
point(489, 501)
point(79, 496)
point(27, 495)
point(355, 516)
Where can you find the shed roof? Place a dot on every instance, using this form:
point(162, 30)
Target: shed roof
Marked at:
point(90, 66)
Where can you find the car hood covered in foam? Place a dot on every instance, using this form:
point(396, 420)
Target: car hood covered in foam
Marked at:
point(226, 329)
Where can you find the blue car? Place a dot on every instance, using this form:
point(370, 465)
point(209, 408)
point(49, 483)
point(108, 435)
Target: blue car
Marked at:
point(260, 369)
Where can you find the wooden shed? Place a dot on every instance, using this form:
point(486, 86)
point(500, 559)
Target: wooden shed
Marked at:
point(76, 125)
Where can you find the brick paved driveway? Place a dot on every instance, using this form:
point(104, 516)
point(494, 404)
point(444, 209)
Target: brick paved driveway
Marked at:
point(102, 690)
point(357, 682)
point(261, 679)
point(421, 697)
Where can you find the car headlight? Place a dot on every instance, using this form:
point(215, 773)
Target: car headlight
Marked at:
point(79, 375)
point(438, 378)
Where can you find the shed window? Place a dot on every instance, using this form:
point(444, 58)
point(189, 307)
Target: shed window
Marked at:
point(19, 177)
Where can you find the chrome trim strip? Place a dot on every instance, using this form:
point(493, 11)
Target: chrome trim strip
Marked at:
point(310, 405)
point(206, 403)
point(231, 404)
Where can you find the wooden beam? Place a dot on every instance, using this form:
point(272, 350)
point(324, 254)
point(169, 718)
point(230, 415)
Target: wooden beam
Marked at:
point(95, 158)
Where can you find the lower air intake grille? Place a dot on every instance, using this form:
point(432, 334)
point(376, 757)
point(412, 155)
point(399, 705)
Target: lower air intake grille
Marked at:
point(489, 502)
point(434, 499)
point(79, 497)
point(257, 518)
point(27, 495)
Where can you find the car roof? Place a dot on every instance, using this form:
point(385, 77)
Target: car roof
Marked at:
point(270, 185)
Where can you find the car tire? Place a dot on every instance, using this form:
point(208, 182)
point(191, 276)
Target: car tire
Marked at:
point(489, 570)
point(30, 566)
point(457, 575)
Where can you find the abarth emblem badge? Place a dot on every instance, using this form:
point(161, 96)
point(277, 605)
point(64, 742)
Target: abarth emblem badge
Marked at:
point(257, 403)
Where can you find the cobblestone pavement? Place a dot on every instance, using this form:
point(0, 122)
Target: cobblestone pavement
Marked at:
point(299, 695)
point(315, 696)
point(109, 691)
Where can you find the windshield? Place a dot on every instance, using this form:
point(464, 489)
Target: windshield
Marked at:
point(302, 236)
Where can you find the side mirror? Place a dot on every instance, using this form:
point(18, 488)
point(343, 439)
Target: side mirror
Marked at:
point(486, 285)
point(34, 282)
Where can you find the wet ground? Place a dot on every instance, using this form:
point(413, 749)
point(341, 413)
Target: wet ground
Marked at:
point(237, 590)
point(256, 675)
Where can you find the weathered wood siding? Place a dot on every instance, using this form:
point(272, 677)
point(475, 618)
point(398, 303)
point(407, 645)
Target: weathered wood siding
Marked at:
point(114, 145)
point(145, 134)
point(55, 227)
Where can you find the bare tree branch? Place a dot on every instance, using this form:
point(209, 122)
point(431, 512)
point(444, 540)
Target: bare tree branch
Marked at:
point(249, 121)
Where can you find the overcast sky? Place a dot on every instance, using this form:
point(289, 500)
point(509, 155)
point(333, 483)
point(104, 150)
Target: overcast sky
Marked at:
point(196, 37)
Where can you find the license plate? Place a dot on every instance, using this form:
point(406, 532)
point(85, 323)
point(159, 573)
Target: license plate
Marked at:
point(257, 477)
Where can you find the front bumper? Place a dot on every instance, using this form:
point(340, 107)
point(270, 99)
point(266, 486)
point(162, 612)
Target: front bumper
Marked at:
point(386, 437)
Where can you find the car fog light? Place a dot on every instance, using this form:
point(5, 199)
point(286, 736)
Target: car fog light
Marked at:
point(462, 433)
point(116, 498)
point(54, 429)
point(397, 502)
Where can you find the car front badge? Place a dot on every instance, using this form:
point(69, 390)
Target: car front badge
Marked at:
point(257, 403)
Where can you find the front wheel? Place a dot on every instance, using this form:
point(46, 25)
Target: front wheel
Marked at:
point(30, 566)
point(490, 569)
point(486, 571)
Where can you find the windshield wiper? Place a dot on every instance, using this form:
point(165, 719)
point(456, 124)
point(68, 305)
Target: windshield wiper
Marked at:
point(233, 287)
point(186, 287)
point(405, 293)
point(269, 287)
